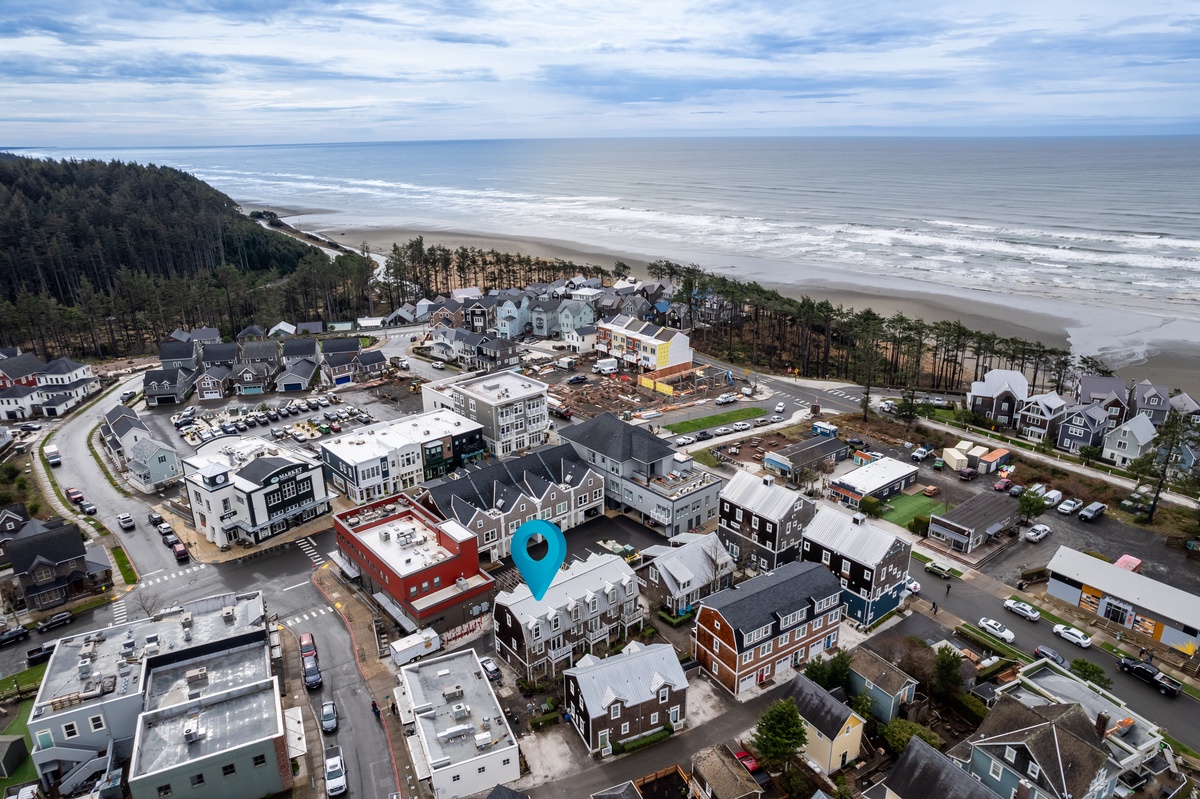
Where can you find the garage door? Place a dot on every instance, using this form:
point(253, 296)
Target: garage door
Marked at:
point(166, 399)
point(342, 381)
point(252, 390)
point(293, 387)
point(210, 395)
point(746, 683)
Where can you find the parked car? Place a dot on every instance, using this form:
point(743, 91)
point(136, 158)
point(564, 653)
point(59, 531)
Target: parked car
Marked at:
point(1092, 512)
point(1077, 637)
point(308, 646)
point(1022, 609)
point(723, 431)
point(490, 669)
point(741, 426)
point(762, 421)
point(938, 464)
point(1051, 498)
point(12, 635)
point(312, 673)
point(154, 518)
point(683, 441)
point(940, 569)
point(856, 442)
point(180, 552)
point(703, 435)
point(87, 508)
point(912, 586)
point(323, 402)
point(30, 427)
point(57, 620)
point(577, 380)
point(362, 418)
point(1016, 491)
point(1037, 532)
point(931, 491)
point(777, 418)
point(967, 474)
point(1049, 654)
point(335, 427)
point(125, 521)
point(1003, 484)
point(438, 364)
point(329, 717)
point(335, 772)
point(993, 627)
point(1070, 506)
point(74, 494)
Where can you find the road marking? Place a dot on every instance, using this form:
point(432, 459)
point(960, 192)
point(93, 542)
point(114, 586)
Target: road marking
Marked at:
point(147, 574)
point(297, 585)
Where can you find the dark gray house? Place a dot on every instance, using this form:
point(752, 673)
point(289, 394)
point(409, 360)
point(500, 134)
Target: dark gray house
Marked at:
point(217, 354)
point(1084, 426)
point(168, 386)
point(1110, 392)
point(760, 522)
point(791, 461)
point(969, 525)
point(923, 772)
point(53, 566)
point(299, 349)
point(1152, 400)
point(177, 355)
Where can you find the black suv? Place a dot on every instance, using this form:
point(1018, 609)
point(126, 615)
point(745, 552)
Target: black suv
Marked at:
point(57, 620)
point(13, 635)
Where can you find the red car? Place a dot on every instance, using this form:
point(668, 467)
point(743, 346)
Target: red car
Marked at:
point(335, 427)
point(747, 760)
point(1003, 484)
point(74, 494)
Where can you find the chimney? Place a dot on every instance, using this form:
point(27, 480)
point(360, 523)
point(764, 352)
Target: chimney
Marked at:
point(860, 518)
point(1101, 724)
point(768, 480)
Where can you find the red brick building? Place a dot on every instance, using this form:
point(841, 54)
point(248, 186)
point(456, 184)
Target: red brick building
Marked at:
point(423, 572)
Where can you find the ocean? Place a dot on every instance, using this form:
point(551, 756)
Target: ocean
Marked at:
point(1106, 221)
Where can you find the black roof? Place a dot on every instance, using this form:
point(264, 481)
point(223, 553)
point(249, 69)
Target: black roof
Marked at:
point(504, 792)
point(618, 440)
point(815, 448)
point(818, 707)
point(260, 349)
point(176, 350)
point(23, 365)
point(760, 601)
point(216, 351)
point(299, 347)
point(626, 790)
point(923, 772)
point(990, 509)
point(352, 345)
point(257, 470)
point(335, 359)
point(56, 544)
point(371, 357)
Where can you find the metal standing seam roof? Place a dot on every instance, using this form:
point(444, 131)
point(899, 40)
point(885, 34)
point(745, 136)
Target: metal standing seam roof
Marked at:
point(997, 380)
point(630, 677)
point(760, 495)
point(1134, 588)
point(680, 566)
point(838, 531)
point(596, 575)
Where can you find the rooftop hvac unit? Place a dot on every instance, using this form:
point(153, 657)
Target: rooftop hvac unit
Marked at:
point(385, 535)
point(452, 692)
point(483, 740)
point(456, 732)
point(151, 648)
point(461, 583)
point(87, 651)
point(152, 638)
point(443, 673)
point(85, 668)
point(193, 694)
point(186, 619)
point(197, 675)
point(460, 711)
point(390, 508)
point(192, 731)
point(354, 521)
point(127, 648)
point(228, 613)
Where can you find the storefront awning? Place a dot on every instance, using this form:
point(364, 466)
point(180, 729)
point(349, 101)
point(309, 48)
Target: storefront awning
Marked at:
point(392, 609)
point(343, 563)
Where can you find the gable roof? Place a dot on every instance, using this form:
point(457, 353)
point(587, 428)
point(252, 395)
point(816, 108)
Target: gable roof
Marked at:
point(1145, 389)
point(218, 371)
point(870, 666)
point(53, 545)
point(62, 366)
point(371, 358)
point(260, 349)
point(117, 411)
point(216, 351)
point(923, 772)
point(762, 600)
point(1093, 414)
point(631, 677)
point(999, 380)
point(310, 328)
point(762, 495)
point(1060, 738)
point(336, 359)
point(206, 334)
point(839, 532)
point(176, 351)
point(332, 345)
point(692, 565)
point(583, 578)
point(257, 470)
point(728, 778)
point(252, 331)
point(300, 348)
point(626, 790)
point(818, 707)
point(147, 448)
point(1095, 387)
point(1183, 403)
point(1140, 427)
point(22, 365)
point(304, 368)
point(618, 440)
point(504, 792)
point(1050, 401)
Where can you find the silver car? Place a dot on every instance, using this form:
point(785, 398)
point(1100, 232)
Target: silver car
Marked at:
point(1022, 609)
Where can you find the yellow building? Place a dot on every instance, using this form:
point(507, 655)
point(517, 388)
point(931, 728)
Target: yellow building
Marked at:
point(834, 731)
point(643, 344)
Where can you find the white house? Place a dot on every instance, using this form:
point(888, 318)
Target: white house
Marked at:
point(581, 340)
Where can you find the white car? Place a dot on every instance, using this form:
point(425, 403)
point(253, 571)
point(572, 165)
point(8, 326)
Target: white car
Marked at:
point(335, 771)
point(997, 629)
point(777, 418)
point(1070, 506)
point(1077, 637)
point(741, 426)
point(1022, 609)
point(1037, 532)
point(722, 431)
point(438, 364)
point(912, 586)
point(683, 441)
point(780, 407)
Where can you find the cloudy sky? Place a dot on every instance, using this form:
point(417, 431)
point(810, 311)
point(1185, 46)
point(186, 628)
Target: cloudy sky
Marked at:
point(162, 72)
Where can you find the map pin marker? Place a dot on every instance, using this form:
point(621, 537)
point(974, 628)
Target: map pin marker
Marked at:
point(539, 574)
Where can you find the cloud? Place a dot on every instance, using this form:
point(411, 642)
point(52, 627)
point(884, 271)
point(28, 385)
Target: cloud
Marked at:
point(106, 72)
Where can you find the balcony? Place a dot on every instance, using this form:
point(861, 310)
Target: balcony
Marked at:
point(633, 616)
point(674, 484)
point(560, 653)
point(597, 635)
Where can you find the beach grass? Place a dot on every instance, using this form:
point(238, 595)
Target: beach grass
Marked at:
point(906, 508)
point(729, 417)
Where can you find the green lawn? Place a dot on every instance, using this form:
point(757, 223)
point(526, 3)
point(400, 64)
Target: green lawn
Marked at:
point(904, 508)
point(126, 568)
point(729, 417)
point(705, 458)
point(17, 726)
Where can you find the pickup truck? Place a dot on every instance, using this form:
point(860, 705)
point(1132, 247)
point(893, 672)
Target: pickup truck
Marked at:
point(1151, 676)
point(39, 654)
point(921, 453)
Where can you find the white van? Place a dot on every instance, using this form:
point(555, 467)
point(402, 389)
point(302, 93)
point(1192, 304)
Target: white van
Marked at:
point(1037, 490)
point(1052, 498)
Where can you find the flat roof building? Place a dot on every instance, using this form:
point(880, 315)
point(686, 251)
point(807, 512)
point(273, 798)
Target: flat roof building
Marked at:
point(462, 744)
point(979, 519)
point(881, 478)
point(510, 406)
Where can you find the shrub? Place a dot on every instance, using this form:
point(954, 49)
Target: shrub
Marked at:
point(919, 525)
point(33, 507)
point(871, 506)
point(674, 621)
point(538, 722)
point(898, 733)
point(649, 740)
point(969, 707)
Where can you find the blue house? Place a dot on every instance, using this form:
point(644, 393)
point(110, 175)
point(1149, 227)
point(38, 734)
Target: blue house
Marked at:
point(887, 685)
point(871, 564)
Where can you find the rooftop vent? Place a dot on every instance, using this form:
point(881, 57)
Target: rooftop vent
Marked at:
point(444, 673)
point(460, 711)
point(87, 651)
point(452, 692)
point(186, 619)
point(461, 583)
point(197, 675)
point(192, 731)
point(385, 535)
point(859, 518)
point(85, 669)
point(228, 613)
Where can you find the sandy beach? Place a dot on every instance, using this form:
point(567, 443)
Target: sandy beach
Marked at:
point(1138, 345)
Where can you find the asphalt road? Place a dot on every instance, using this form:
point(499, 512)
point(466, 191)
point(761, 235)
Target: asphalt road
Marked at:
point(1179, 715)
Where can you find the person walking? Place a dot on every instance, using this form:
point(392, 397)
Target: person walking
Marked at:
point(392, 703)
point(947, 588)
point(935, 608)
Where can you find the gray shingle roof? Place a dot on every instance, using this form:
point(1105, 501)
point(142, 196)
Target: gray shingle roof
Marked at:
point(216, 351)
point(260, 350)
point(55, 545)
point(890, 679)
point(372, 358)
point(989, 511)
point(336, 359)
point(176, 351)
point(311, 328)
point(504, 792)
point(1094, 387)
point(618, 440)
point(331, 345)
point(762, 600)
point(23, 365)
point(257, 470)
point(817, 707)
point(630, 677)
point(147, 448)
point(923, 772)
point(300, 348)
point(302, 369)
point(626, 790)
point(62, 366)
point(727, 777)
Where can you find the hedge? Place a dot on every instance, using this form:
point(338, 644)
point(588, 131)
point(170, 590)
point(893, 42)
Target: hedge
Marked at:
point(649, 740)
point(537, 722)
point(674, 621)
point(969, 707)
point(919, 525)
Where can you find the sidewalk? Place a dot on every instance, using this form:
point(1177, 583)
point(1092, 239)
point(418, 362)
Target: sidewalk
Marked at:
point(376, 671)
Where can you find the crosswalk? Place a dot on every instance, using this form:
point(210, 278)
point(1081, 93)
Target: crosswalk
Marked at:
point(310, 549)
point(165, 577)
point(120, 612)
point(305, 616)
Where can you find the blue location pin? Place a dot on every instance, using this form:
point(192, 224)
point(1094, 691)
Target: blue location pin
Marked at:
point(539, 574)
